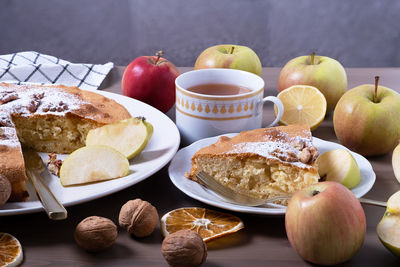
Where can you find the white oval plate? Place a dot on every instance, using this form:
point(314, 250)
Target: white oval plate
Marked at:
point(181, 164)
point(158, 152)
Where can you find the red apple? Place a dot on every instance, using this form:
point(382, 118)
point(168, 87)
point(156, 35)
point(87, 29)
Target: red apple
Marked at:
point(325, 223)
point(151, 79)
point(324, 73)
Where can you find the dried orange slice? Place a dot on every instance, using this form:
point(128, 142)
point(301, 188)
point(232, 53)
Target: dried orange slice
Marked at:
point(10, 250)
point(207, 223)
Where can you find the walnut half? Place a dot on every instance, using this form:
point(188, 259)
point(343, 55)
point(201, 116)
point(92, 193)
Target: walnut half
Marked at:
point(308, 155)
point(7, 96)
point(54, 164)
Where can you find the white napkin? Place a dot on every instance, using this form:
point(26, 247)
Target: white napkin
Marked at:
point(33, 67)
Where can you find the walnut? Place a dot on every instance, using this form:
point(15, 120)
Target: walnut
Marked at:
point(138, 217)
point(7, 96)
point(297, 143)
point(59, 107)
point(33, 105)
point(54, 164)
point(5, 190)
point(314, 153)
point(5, 121)
point(38, 95)
point(309, 155)
point(184, 248)
point(305, 155)
point(35, 101)
point(287, 156)
point(95, 233)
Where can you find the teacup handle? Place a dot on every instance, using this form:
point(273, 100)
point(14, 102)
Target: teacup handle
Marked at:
point(279, 105)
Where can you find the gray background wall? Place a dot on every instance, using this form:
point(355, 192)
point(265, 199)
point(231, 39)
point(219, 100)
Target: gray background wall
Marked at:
point(358, 33)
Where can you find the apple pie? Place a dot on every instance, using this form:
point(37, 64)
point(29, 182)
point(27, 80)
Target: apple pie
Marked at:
point(52, 119)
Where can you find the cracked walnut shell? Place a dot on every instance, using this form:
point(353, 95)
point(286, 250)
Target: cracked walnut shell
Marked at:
point(184, 248)
point(95, 233)
point(138, 217)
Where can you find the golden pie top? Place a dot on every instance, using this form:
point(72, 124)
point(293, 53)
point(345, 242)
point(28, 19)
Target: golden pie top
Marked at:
point(31, 100)
point(291, 144)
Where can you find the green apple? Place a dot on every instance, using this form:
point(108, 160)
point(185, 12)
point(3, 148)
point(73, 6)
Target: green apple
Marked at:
point(388, 229)
point(231, 57)
point(325, 73)
point(92, 164)
point(396, 162)
point(129, 136)
point(338, 165)
point(367, 119)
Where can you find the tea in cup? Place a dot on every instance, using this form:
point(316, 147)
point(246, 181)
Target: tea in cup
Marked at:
point(212, 102)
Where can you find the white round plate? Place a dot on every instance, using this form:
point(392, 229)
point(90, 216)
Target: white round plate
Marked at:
point(159, 151)
point(181, 164)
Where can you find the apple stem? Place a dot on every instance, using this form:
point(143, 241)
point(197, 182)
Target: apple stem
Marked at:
point(159, 54)
point(376, 88)
point(233, 48)
point(141, 118)
point(315, 192)
point(312, 58)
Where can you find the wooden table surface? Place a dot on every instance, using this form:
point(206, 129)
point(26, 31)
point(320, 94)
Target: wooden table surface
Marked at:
point(263, 242)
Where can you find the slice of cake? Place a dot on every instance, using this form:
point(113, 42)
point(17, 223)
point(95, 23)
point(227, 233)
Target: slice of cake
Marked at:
point(261, 163)
point(48, 119)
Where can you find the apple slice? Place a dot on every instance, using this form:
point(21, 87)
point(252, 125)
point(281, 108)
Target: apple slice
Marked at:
point(92, 164)
point(339, 166)
point(388, 228)
point(129, 136)
point(396, 162)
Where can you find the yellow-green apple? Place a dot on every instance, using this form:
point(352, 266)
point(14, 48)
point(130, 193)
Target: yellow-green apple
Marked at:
point(325, 73)
point(230, 57)
point(367, 119)
point(325, 223)
point(151, 79)
point(388, 229)
point(396, 162)
point(128, 136)
point(338, 165)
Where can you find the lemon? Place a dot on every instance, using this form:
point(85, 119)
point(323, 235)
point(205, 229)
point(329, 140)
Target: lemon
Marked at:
point(303, 104)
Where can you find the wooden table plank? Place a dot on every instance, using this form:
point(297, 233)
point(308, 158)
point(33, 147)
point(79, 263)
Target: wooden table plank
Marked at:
point(262, 243)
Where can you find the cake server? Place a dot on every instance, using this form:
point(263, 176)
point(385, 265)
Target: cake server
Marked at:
point(34, 170)
point(241, 199)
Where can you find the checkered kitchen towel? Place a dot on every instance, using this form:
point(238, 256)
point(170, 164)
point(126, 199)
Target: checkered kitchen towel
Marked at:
point(33, 67)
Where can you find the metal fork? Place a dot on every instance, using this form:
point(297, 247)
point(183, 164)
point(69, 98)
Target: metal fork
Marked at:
point(232, 196)
point(237, 198)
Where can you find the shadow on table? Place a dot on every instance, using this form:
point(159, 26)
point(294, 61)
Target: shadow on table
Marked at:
point(117, 250)
point(155, 238)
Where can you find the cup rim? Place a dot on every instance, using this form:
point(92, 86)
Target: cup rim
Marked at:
point(222, 97)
